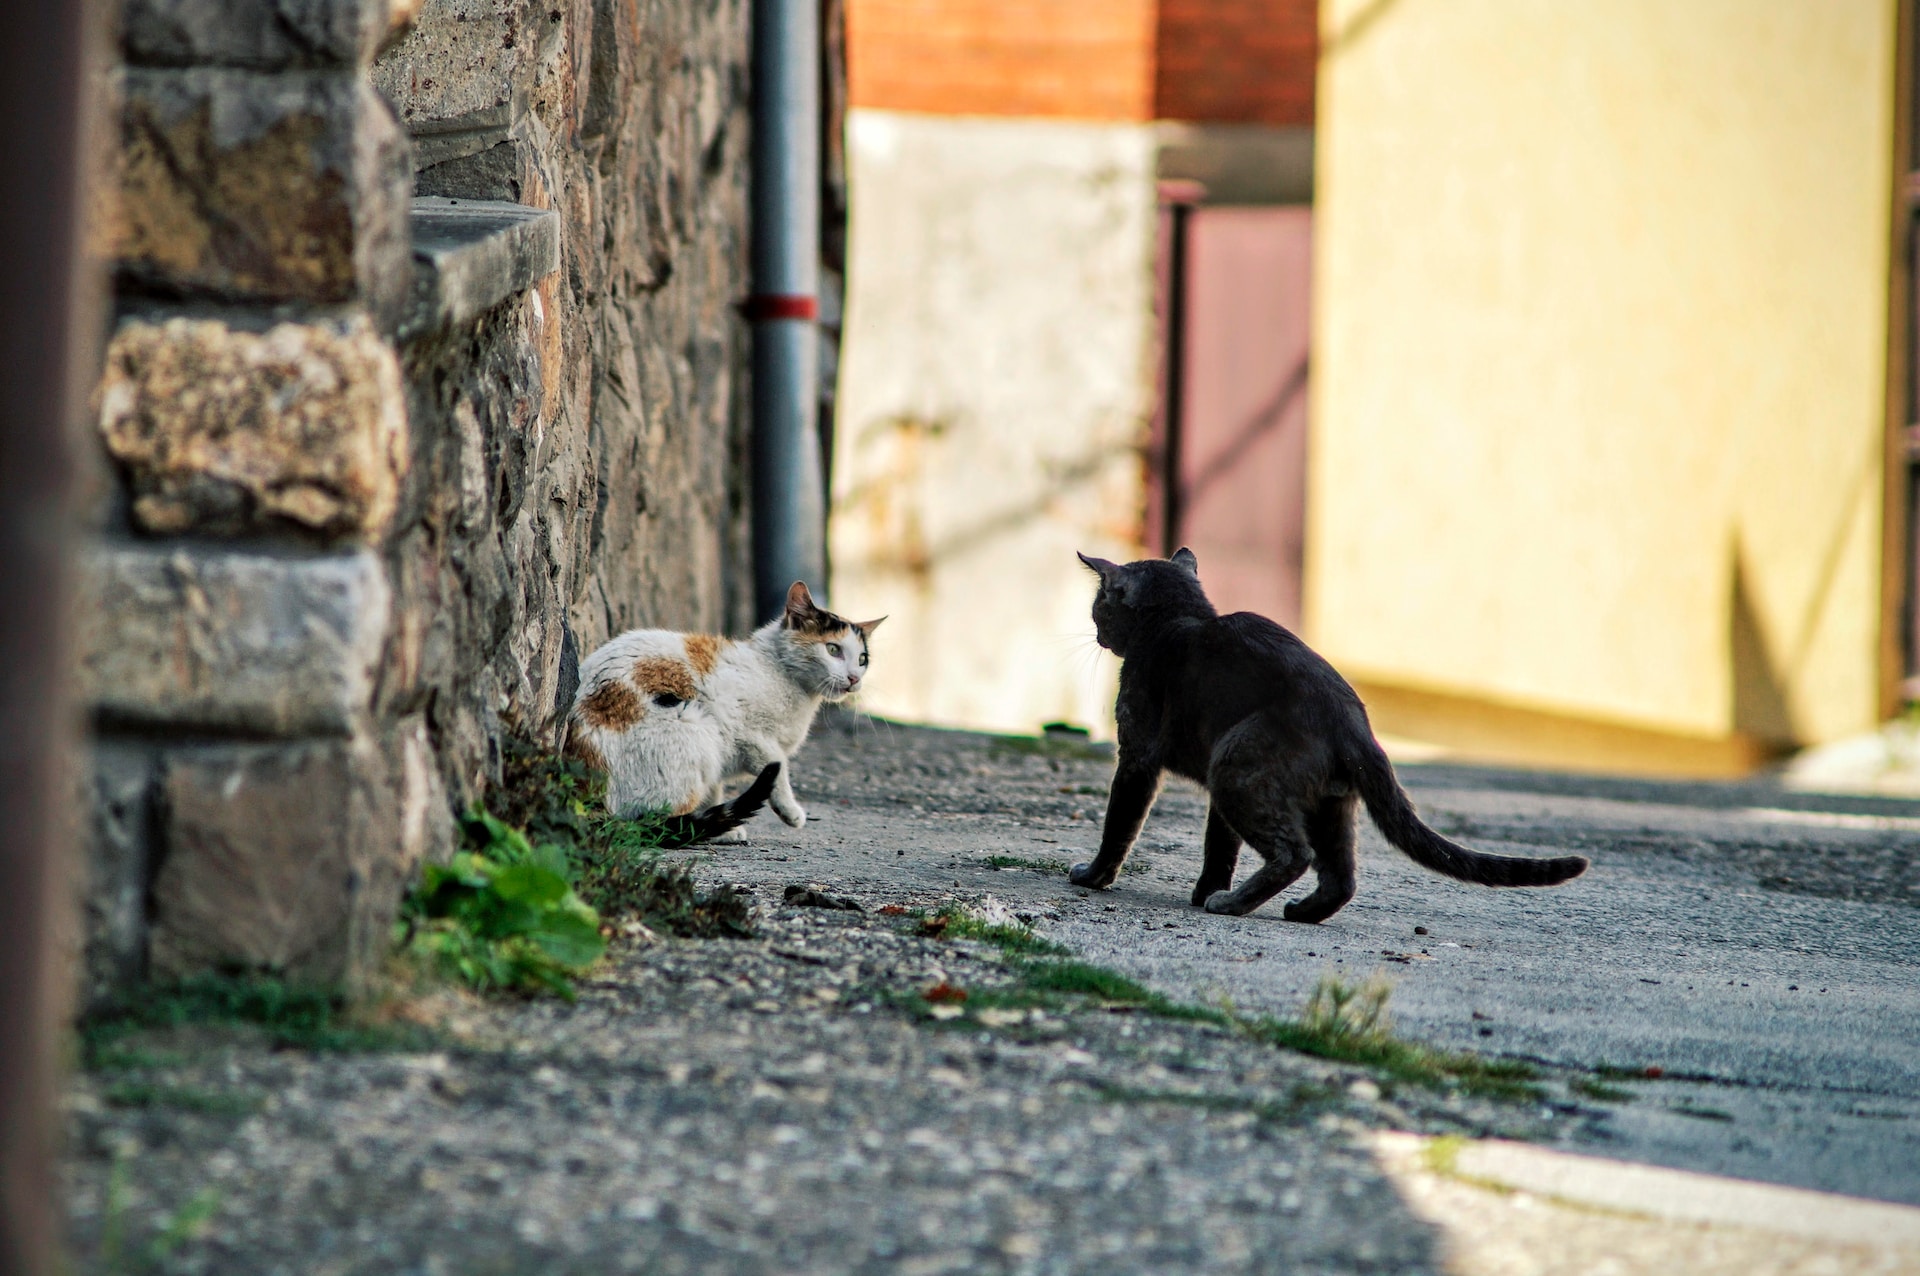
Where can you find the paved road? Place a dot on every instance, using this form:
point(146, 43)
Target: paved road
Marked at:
point(1758, 948)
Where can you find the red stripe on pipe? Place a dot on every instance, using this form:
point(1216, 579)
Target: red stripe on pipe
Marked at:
point(777, 305)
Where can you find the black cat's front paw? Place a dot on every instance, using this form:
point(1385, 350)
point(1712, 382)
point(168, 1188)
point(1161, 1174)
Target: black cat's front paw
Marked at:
point(1300, 910)
point(1222, 902)
point(1085, 875)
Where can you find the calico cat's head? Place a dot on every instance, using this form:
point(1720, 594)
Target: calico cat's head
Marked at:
point(829, 651)
point(1136, 596)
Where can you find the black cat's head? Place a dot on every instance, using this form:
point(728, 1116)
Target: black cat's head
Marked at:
point(1134, 598)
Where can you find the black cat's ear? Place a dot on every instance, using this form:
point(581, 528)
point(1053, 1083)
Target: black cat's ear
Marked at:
point(800, 606)
point(1183, 557)
point(1100, 565)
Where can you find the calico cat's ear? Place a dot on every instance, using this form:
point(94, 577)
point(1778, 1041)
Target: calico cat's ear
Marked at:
point(866, 627)
point(1183, 557)
point(800, 606)
point(1099, 565)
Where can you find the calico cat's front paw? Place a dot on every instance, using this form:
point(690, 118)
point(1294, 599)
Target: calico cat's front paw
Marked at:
point(794, 816)
point(1084, 875)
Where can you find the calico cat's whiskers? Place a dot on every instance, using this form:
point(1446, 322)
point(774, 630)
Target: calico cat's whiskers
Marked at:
point(875, 726)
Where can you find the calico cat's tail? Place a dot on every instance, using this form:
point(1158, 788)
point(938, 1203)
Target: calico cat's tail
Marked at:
point(1390, 808)
point(722, 817)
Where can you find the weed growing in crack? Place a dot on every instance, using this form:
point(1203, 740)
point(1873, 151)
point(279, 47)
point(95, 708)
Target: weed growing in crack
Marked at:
point(1600, 1091)
point(1348, 1024)
point(522, 905)
point(956, 922)
point(501, 915)
point(618, 865)
point(1342, 1022)
point(182, 1225)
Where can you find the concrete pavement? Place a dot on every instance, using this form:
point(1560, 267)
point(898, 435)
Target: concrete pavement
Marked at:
point(1739, 962)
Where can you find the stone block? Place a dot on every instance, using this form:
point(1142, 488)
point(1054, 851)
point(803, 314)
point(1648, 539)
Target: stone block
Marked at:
point(117, 785)
point(289, 187)
point(259, 34)
point(460, 79)
point(231, 642)
point(222, 430)
point(470, 255)
point(291, 859)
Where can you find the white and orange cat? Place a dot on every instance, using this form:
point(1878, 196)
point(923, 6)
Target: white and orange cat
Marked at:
point(672, 717)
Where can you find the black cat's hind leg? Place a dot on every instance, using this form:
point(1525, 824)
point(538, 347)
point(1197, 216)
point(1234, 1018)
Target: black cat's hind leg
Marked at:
point(1219, 853)
point(1330, 831)
point(1276, 831)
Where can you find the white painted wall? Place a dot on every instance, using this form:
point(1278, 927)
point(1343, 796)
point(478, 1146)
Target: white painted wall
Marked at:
point(995, 393)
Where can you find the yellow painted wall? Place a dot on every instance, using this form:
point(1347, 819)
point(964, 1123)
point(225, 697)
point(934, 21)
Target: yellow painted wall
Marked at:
point(1601, 304)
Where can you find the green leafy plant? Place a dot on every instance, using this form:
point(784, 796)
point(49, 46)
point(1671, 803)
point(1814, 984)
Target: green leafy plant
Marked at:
point(520, 906)
point(503, 914)
point(618, 865)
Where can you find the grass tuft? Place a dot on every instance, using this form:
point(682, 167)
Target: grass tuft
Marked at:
point(1342, 1022)
point(290, 1015)
point(140, 1094)
point(957, 922)
point(1600, 1091)
point(1348, 1024)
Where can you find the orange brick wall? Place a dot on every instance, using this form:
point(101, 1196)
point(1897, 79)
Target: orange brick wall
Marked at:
point(1203, 60)
point(1236, 61)
point(1079, 59)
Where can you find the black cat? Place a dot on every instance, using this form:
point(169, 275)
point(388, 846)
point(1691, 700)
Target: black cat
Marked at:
point(1278, 738)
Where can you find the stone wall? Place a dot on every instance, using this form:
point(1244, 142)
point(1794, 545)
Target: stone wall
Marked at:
point(425, 379)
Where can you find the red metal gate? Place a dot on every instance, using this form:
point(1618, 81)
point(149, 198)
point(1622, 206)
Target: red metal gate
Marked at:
point(1229, 472)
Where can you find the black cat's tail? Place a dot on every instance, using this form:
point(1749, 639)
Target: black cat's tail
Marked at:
point(1390, 808)
point(722, 817)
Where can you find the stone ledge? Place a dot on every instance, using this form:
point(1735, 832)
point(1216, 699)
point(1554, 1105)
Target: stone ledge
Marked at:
point(241, 643)
point(470, 255)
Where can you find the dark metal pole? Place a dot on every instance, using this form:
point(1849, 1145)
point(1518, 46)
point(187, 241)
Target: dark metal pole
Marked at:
point(789, 498)
point(44, 353)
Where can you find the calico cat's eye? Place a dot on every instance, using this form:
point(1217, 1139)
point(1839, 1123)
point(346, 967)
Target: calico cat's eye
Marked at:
point(833, 649)
point(863, 660)
point(667, 700)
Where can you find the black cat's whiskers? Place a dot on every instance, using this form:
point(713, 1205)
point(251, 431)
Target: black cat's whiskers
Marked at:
point(1084, 659)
